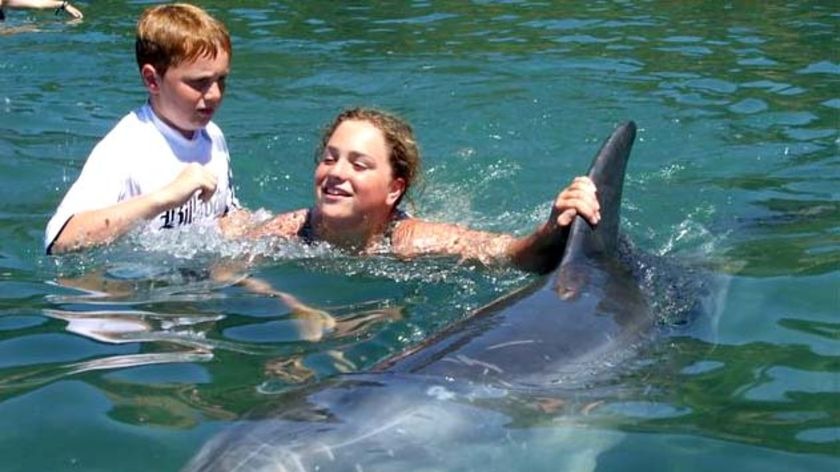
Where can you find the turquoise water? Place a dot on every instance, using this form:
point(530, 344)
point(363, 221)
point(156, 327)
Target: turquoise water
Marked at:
point(128, 358)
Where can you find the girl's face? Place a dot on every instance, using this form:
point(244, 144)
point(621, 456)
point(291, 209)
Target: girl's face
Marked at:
point(354, 187)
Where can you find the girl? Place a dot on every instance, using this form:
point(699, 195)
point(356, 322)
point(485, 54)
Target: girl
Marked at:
point(367, 161)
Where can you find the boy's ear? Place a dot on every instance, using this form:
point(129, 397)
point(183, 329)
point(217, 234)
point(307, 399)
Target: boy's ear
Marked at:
point(150, 77)
point(397, 188)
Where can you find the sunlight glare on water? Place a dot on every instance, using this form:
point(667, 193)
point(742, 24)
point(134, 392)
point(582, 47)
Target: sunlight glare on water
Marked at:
point(131, 357)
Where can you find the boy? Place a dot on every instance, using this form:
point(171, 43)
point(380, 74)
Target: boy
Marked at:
point(165, 163)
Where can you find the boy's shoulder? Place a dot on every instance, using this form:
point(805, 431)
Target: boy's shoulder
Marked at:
point(140, 129)
point(134, 136)
point(214, 131)
point(132, 128)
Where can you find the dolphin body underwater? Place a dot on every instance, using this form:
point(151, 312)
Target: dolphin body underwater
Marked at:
point(472, 397)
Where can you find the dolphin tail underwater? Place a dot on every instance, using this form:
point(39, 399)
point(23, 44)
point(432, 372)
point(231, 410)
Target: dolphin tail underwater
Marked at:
point(463, 400)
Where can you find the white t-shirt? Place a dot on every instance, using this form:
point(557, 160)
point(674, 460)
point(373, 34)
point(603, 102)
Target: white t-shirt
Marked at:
point(143, 154)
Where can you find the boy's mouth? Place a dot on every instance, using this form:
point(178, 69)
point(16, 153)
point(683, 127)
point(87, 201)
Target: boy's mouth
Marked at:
point(206, 112)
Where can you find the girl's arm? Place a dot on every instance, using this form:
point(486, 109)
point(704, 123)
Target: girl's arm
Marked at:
point(538, 252)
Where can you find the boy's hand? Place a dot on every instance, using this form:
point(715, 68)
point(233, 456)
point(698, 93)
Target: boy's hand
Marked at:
point(194, 177)
point(579, 198)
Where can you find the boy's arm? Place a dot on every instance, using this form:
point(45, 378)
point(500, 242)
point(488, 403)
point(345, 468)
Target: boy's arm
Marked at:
point(42, 4)
point(538, 252)
point(94, 227)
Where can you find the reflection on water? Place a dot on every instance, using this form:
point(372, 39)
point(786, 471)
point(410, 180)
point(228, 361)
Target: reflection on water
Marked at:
point(771, 400)
point(135, 326)
point(209, 307)
point(186, 330)
point(145, 353)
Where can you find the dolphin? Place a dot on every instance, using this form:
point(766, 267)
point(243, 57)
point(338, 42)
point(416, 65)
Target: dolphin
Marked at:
point(466, 399)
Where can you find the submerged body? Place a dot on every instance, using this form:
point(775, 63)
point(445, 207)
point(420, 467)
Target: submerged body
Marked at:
point(467, 386)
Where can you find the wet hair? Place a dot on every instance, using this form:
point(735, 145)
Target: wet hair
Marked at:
point(404, 153)
point(168, 35)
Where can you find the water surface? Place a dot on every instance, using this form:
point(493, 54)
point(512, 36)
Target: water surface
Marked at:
point(129, 358)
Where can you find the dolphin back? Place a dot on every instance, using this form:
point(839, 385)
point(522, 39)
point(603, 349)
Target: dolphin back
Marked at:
point(607, 172)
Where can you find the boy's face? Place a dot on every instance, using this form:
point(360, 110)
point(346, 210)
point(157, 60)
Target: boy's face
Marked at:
point(188, 94)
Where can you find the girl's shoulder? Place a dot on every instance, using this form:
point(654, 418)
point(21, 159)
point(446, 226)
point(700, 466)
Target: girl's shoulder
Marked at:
point(286, 225)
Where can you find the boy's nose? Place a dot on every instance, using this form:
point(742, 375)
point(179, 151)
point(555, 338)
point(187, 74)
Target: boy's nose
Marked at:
point(214, 92)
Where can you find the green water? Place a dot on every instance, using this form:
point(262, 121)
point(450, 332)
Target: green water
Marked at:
point(735, 168)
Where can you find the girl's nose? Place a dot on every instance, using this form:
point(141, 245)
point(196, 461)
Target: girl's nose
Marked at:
point(339, 169)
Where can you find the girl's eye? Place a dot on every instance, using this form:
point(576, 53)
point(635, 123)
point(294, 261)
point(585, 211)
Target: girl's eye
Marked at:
point(361, 162)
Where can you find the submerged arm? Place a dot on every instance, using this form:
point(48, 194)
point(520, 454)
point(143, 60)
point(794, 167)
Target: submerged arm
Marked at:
point(313, 324)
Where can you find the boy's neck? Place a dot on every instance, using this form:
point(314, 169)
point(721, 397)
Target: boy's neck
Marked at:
point(187, 134)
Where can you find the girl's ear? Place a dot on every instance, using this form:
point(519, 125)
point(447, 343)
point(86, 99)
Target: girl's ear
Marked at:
point(150, 78)
point(395, 190)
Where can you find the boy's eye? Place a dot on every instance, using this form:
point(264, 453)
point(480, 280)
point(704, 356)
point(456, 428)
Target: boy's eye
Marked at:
point(202, 84)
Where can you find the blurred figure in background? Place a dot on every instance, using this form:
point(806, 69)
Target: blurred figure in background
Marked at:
point(60, 7)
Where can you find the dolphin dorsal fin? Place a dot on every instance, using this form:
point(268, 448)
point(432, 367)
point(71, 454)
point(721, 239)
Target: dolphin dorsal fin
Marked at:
point(607, 171)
